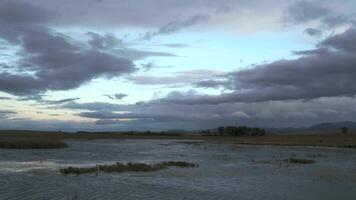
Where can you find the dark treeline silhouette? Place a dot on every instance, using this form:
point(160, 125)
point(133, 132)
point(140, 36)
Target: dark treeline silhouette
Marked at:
point(238, 131)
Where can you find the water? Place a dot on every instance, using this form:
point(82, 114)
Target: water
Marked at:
point(225, 172)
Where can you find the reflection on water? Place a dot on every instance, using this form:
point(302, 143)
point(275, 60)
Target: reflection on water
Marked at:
point(225, 172)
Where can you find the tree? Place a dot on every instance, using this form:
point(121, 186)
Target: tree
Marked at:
point(344, 130)
point(240, 131)
point(221, 130)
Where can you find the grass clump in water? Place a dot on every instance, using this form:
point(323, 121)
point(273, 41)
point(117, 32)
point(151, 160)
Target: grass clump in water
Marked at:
point(128, 167)
point(300, 161)
point(32, 144)
point(191, 142)
point(348, 146)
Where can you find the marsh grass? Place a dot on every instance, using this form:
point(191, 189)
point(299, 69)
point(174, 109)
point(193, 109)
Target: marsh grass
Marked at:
point(299, 161)
point(348, 146)
point(31, 144)
point(128, 167)
point(148, 133)
point(191, 142)
point(292, 160)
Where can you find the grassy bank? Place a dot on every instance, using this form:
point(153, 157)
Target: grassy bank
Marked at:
point(31, 144)
point(129, 167)
point(339, 141)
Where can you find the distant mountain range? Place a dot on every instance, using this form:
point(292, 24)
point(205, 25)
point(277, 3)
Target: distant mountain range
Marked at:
point(328, 127)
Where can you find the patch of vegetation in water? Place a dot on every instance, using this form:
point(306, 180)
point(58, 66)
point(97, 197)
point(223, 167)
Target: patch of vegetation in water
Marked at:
point(221, 157)
point(128, 167)
point(348, 146)
point(149, 133)
point(314, 155)
point(190, 142)
point(299, 161)
point(32, 144)
point(291, 160)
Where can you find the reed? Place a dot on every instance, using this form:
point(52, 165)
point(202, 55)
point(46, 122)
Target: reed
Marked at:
point(125, 167)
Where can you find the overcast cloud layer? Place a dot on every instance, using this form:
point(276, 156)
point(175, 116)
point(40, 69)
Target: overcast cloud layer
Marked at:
point(52, 48)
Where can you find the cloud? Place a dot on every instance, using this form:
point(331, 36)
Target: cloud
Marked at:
point(325, 12)
point(136, 54)
point(211, 83)
point(107, 41)
point(52, 59)
point(157, 117)
point(5, 98)
point(327, 71)
point(117, 96)
point(23, 13)
point(61, 101)
point(4, 114)
point(343, 42)
point(240, 114)
point(96, 106)
point(339, 20)
point(152, 65)
point(119, 13)
point(55, 51)
point(174, 45)
point(175, 26)
point(313, 32)
point(305, 11)
point(167, 115)
point(181, 77)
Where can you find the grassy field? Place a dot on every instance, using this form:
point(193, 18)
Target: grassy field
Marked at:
point(33, 137)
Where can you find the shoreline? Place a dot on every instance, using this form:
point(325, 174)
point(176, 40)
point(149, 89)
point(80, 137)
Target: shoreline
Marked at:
point(329, 141)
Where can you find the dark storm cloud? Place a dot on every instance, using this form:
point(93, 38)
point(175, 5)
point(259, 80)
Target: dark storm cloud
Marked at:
point(52, 58)
point(344, 42)
point(175, 26)
point(327, 71)
point(49, 60)
point(167, 115)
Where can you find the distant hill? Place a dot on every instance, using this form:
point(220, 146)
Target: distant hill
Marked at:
point(332, 126)
point(328, 127)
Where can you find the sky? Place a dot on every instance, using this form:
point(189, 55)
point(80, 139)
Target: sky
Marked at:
point(105, 65)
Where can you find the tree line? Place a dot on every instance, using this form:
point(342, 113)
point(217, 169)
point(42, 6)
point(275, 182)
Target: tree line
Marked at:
point(238, 131)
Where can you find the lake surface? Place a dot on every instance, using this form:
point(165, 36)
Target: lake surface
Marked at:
point(224, 172)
